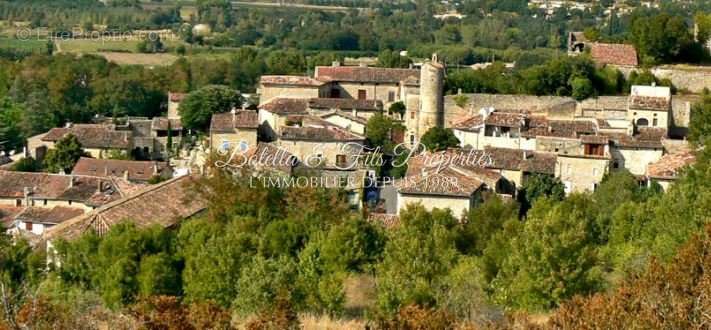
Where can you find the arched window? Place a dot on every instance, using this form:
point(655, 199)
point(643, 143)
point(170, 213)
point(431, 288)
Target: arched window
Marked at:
point(642, 122)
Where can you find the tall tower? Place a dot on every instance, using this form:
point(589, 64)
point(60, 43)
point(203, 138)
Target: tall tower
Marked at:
point(431, 112)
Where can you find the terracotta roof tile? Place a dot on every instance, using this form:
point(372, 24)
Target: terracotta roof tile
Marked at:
point(616, 54)
point(449, 181)
point(669, 165)
point(290, 80)
point(471, 124)
point(161, 124)
point(285, 106)
point(54, 215)
point(521, 160)
point(228, 122)
point(366, 74)
point(137, 170)
point(164, 204)
point(324, 134)
point(92, 136)
point(345, 104)
point(82, 189)
point(640, 102)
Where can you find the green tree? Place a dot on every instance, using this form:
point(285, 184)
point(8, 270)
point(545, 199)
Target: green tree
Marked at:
point(378, 130)
point(352, 246)
point(437, 138)
point(392, 59)
point(151, 44)
point(661, 38)
point(197, 108)
point(64, 155)
point(27, 164)
point(12, 137)
point(582, 88)
point(700, 124)
point(397, 108)
point(483, 222)
point(158, 274)
point(263, 282)
point(552, 259)
point(537, 186)
point(417, 258)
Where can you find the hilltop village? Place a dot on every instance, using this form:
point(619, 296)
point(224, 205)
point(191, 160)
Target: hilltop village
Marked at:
point(323, 118)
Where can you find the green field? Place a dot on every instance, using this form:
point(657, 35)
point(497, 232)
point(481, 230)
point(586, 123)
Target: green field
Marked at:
point(23, 45)
point(98, 45)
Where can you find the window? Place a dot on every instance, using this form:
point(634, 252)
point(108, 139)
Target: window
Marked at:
point(18, 202)
point(616, 164)
point(340, 160)
point(391, 96)
point(594, 172)
point(570, 169)
point(28, 226)
point(225, 145)
point(642, 122)
point(44, 202)
point(335, 93)
point(412, 139)
point(654, 122)
point(362, 94)
point(412, 115)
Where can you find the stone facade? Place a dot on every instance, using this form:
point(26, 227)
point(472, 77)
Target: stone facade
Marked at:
point(579, 173)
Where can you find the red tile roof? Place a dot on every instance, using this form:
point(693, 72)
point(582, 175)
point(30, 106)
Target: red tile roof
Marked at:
point(290, 80)
point(323, 134)
point(89, 190)
point(521, 160)
point(283, 106)
point(164, 204)
point(616, 54)
point(228, 122)
point(366, 74)
point(345, 104)
point(92, 136)
point(448, 181)
point(640, 102)
point(161, 124)
point(669, 165)
point(54, 215)
point(137, 170)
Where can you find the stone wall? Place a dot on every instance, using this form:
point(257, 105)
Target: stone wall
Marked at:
point(691, 78)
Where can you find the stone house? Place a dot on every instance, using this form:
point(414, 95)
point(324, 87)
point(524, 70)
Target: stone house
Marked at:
point(96, 139)
point(667, 169)
point(130, 170)
point(165, 204)
point(234, 129)
point(420, 90)
point(450, 179)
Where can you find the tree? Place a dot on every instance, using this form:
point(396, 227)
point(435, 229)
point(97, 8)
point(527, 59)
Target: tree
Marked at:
point(27, 164)
point(537, 186)
point(397, 108)
point(582, 88)
point(378, 130)
point(700, 125)
point(483, 222)
point(352, 246)
point(197, 108)
point(151, 44)
point(437, 138)
point(64, 155)
point(661, 38)
point(392, 59)
point(552, 259)
point(663, 296)
point(11, 135)
point(417, 257)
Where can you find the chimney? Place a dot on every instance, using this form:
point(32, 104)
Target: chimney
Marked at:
point(354, 113)
point(71, 181)
point(98, 185)
point(155, 169)
point(68, 124)
point(362, 65)
point(125, 175)
point(27, 191)
point(526, 154)
point(336, 63)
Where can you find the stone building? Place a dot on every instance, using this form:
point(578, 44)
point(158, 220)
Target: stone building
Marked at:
point(234, 129)
point(130, 170)
point(368, 91)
